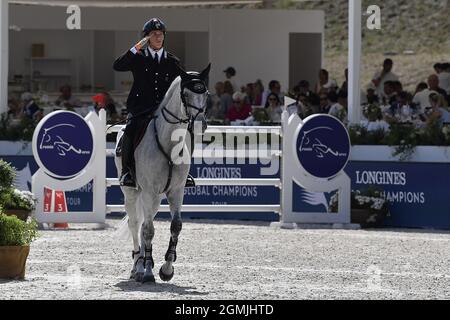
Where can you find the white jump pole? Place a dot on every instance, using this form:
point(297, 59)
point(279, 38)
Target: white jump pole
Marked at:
point(354, 61)
point(4, 55)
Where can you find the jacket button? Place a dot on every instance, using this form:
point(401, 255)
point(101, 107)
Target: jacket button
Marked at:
point(146, 70)
point(156, 73)
point(137, 94)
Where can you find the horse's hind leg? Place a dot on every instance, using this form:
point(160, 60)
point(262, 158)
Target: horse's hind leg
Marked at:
point(175, 199)
point(150, 204)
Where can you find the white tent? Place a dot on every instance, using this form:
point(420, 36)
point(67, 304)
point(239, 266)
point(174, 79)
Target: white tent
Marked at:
point(354, 57)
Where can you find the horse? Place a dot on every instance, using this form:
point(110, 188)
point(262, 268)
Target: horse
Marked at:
point(162, 166)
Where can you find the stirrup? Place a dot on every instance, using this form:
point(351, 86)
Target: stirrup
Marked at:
point(190, 182)
point(126, 180)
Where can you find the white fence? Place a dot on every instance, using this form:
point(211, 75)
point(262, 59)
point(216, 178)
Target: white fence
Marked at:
point(218, 182)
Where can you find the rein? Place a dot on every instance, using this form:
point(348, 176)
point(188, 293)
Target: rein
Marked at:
point(189, 120)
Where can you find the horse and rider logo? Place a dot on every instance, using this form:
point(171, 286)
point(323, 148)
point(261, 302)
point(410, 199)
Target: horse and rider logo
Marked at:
point(50, 141)
point(64, 144)
point(323, 146)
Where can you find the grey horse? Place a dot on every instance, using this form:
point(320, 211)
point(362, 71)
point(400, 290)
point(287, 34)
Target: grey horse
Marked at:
point(162, 166)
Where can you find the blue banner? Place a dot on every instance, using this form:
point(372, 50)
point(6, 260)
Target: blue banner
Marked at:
point(419, 192)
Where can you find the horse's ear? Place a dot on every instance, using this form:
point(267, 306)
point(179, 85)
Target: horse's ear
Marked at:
point(183, 74)
point(205, 73)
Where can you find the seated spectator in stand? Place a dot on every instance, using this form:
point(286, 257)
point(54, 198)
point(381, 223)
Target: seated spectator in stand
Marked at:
point(438, 110)
point(390, 95)
point(105, 101)
point(420, 87)
point(344, 87)
point(401, 109)
point(372, 97)
point(274, 87)
point(325, 83)
point(214, 109)
point(250, 97)
point(302, 107)
point(259, 90)
point(443, 73)
point(274, 108)
point(336, 109)
point(66, 100)
point(15, 111)
point(324, 104)
point(305, 89)
point(30, 108)
point(238, 110)
point(230, 75)
point(398, 87)
point(433, 84)
point(226, 99)
point(383, 76)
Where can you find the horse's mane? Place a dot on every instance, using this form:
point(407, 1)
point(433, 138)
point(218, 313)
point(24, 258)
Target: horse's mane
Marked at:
point(173, 92)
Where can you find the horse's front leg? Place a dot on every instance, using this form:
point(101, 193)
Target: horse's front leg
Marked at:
point(175, 199)
point(151, 204)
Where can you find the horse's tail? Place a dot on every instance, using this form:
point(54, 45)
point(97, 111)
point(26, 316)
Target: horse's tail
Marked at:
point(122, 231)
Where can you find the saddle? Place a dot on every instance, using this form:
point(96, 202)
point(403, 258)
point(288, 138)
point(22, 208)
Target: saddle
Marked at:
point(138, 138)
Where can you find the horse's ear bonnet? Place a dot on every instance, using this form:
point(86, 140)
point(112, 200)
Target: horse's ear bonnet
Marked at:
point(195, 81)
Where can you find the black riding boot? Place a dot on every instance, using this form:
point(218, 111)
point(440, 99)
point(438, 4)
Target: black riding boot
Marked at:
point(127, 178)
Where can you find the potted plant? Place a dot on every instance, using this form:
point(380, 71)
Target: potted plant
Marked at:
point(15, 238)
point(13, 201)
point(368, 207)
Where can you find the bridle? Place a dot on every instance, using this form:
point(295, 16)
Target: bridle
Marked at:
point(197, 86)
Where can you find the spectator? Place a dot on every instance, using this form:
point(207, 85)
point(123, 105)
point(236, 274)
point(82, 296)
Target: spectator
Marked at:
point(30, 108)
point(230, 75)
point(390, 95)
point(259, 90)
point(401, 109)
point(215, 108)
point(226, 98)
point(239, 110)
point(420, 87)
point(105, 101)
point(397, 86)
point(324, 105)
point(66, 100)
point(250, 97)
point(14, 110)
point(437, 111)
point(274, 87)
point(433, 84)
point(325, 83)
point(344, 87)
point(273, 108)
point(381, 77)
point(372, 97)
point(336, 109)
point(444, 78)
point(305, 88)
point(302, 106)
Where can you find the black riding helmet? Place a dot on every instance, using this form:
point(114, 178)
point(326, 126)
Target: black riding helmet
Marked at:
point(153, 25)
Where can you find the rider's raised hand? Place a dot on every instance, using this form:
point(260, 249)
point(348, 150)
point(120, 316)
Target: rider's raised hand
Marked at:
point(142, 44)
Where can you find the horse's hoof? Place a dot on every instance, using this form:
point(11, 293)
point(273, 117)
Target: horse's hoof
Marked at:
point(138, 276)
point(164, 277)
point(132, 274)
point(148, 279)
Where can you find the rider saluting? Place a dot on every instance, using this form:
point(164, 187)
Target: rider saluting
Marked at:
point(154, 70)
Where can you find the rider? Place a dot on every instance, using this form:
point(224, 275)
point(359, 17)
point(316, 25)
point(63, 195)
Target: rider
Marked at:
point(154, 70)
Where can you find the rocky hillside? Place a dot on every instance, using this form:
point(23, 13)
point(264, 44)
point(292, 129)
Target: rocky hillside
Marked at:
point(421, 28)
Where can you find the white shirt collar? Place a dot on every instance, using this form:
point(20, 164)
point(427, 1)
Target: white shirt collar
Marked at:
point(153, 52)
